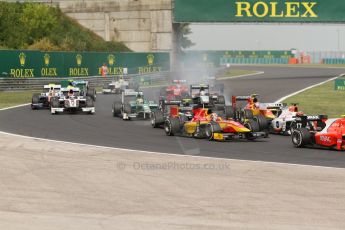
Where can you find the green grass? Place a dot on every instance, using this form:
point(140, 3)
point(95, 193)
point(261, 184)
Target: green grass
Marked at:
point(322, 99)
point(235, 73)
point(8, 99)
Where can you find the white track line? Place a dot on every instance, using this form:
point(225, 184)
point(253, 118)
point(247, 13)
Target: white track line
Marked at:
point(305, 89)
point(13, 107)
point(239, 76)
point(167, 154)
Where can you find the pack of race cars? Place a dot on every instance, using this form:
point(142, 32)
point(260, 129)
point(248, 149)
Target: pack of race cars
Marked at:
point(69, 96)
point(196, 111)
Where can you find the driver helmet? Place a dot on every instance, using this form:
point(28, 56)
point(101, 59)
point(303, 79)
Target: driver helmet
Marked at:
point(202, 91)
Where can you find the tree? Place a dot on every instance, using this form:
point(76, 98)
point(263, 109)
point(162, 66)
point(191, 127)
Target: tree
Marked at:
point(182, 30)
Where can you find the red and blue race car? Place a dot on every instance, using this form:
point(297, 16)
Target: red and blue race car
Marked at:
point(318, 131)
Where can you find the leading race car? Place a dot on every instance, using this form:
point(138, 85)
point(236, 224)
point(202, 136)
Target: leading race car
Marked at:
point(132, 104)
point(206, 124)
point(318, 131)
point(72, 101)
point(42, 100)
point(118, 86)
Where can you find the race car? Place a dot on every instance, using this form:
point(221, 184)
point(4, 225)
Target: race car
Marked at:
point(202, 97)
point(177, 91)
point(263, 113)
point(285, 121)
point(42, 100)
point(319, 132)
point(118, 86)
point(132, 104)
point(206, 124)
point(241, 113)
point(163, 112)
point(83, 86)
point(72, 101)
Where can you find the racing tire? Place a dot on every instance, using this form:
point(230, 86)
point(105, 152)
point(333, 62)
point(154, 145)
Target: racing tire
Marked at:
point(172, 126)
point(252, 125)
point(55, 103)
point(35, 100)
point(89, 102)
point(262, 121)
point(301, 137)
point(211, 129)
point(91, 93)
point(157, 119)
point(117, 106)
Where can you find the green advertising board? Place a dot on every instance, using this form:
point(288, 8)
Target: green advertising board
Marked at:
point(211, 59)
point(310, 11)
point(29, 64)
point(340, 84)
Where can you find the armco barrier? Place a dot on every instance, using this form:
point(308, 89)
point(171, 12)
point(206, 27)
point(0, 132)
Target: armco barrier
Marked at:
point(13, 84)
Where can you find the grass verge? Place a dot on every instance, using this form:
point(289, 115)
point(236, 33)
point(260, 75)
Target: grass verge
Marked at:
point(322, 99)
point(13, 98)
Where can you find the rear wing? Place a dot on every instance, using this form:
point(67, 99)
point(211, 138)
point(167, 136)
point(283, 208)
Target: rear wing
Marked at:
point(313, 123)
point(176, 102)
point(241, 98)
point(274, 105)
point(75, 89)
point(131, 92)
point(303, 118)
point(179, 81)
point(52, 86)
point(199, 87)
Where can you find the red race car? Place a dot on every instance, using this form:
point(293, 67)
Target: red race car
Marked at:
point(177, 91)
point(318, 131)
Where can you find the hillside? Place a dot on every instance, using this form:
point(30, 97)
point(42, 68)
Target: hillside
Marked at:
point(40, 27)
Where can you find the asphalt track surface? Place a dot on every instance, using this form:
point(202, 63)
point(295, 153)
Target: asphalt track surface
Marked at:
point(104, 130)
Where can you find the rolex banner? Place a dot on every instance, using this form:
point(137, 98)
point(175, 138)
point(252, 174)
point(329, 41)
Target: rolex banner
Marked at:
point(29, 64)
point(310, 11)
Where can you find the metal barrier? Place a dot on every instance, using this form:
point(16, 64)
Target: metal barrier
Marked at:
point(14, 84)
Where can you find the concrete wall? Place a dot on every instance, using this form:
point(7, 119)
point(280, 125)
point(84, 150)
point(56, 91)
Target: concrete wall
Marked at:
point(143, 25)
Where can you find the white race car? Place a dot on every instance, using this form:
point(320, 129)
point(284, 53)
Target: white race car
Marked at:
point(116, 87)
point(72, 101)
point(283, 124)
